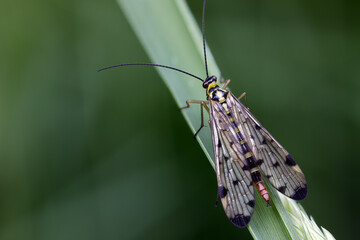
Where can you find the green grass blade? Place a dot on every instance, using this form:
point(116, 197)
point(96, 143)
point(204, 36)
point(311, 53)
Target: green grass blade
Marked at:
point(171, 39)
point(171, 36)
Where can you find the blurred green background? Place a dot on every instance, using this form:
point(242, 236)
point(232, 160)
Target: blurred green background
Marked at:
point(87, 155)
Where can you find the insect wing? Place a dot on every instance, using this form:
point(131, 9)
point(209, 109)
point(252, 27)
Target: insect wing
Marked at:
point(276, 164)
point(235, 186)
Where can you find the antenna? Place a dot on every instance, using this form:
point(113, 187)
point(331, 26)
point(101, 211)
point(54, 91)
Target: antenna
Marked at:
point(151, 64)
point(203, 35)
point(173, 68)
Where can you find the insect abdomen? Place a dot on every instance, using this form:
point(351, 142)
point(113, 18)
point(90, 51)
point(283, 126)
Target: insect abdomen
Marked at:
point(259, 183)
point(262, 190)
point(250, 159)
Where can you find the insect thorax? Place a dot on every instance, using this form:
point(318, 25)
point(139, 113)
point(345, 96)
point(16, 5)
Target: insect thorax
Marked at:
point(215, 93)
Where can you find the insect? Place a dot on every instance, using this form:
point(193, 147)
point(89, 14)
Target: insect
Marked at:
point(244, 150)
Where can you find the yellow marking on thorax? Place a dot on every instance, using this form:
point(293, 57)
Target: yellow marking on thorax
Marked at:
point(211, 85)
point(255, 169)
point(220, 95)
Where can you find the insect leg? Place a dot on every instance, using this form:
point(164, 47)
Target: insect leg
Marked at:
point(202, 120)
point(243, 95)
point(202, 105)
point(227, 82)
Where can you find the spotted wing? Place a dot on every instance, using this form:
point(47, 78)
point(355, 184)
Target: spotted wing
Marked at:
point(276, 164)
point(235, 186)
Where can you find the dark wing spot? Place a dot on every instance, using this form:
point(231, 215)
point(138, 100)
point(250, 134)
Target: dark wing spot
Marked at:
point(236, 182)
point(219, 144)
point(251, 203)
point(259, 162)
point(290, 160)
point(231, 143)
point(282, 189)
point(276, 164)
point(257, 127)
point(226, 158)
point(300, 193)
point(222, 191)
point(240, 220)
point(264, 141)
point(252, 137)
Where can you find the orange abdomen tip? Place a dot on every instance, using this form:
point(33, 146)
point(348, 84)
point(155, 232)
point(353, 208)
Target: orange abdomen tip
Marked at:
point(262, 190)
